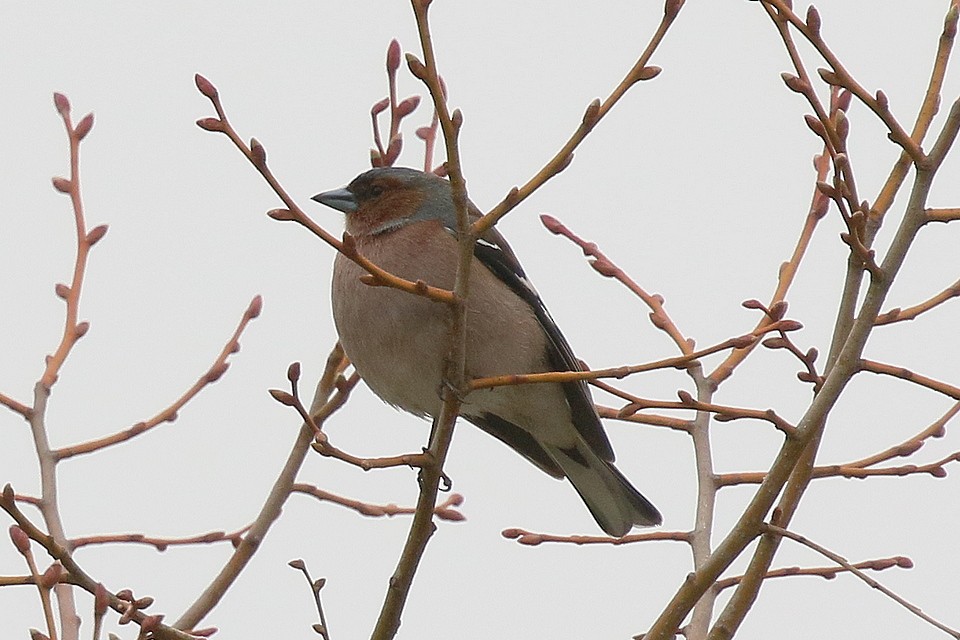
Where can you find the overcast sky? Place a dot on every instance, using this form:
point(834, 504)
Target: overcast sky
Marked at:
point(697, 185)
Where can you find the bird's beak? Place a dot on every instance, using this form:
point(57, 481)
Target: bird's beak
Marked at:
point(339, 199)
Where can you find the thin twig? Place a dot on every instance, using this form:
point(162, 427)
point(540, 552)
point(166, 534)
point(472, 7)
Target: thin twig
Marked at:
point(78, 576)
point(937, 429)
point(594, 113)
point(607, 268)
point(788, 270)
point(935, 469)
point(257, 156)
point(828, 573)
point(677, 424)
point(533, 539)
point(723, 413)
point(840, 560)
point(160, 544)
point(905, 374)
point(445, 510)
point(900, 315)
point(839, 76)
point(327, 394)
point(810, 426)
point(676, 362)
point(170, 413)
point(928, 109)
point(73, 331)
point(13, 405)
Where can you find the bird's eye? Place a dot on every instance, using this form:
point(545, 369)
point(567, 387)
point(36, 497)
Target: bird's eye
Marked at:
point(376, 190)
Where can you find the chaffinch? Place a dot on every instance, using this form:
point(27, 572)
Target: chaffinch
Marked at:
point(404, 221)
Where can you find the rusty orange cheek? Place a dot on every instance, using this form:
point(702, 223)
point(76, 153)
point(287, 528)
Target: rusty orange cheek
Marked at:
point(392, 205)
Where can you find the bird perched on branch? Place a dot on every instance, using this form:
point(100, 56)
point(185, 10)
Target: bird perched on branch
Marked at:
point(404, 221)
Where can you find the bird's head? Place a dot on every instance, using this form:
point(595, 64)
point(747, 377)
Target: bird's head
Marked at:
point(384, 199)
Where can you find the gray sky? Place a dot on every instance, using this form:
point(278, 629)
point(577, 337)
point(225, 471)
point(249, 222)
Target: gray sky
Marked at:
point(697, 185)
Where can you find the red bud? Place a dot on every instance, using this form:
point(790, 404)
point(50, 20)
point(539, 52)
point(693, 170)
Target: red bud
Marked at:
point(789, 325)
point(150, 623)
point(256, 306)
point(648, 73)
point(379, 107)
point(216, 372)
point(293, 372)
point(393, 57)
point(281, 214)
point(20, 539)
point(882, 101)
point(829, 76)
point(416, 67)
point(51, 576)
point(813, 19)
point(794, 83)
point(210, 124)
point(778, 309)
point(671, 8)
point(407, 106)
point(205, 86)
point(815, 125)
point(552, 224)
point(283, 397)
point(592, 114)
point(828, 190)
point(84, 126)
point(843, 100)
point(774, 343)
point(62, 104)
point(258, 153)
point(96, 233)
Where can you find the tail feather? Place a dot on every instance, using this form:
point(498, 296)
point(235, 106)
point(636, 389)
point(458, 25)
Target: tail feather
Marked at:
point(613, 502)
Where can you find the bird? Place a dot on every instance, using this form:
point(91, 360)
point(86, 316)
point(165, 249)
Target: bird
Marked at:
point(404, 221)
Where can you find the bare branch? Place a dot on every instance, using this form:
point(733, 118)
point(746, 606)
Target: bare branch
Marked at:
point(13, 405)
point(444, 511)
point(533, 539)
point(677, 362)
point(606, 267)
point(594, 113)
point(778, 531)
point(828, 573)
point(160, 544)
point(257, 156)
point(79, 576)
point(943, 215)
point(169, 414)
point(328, 397)
point(905, 374)
point(900, 315)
